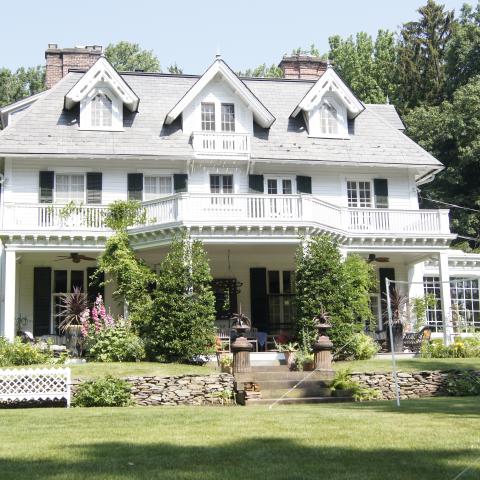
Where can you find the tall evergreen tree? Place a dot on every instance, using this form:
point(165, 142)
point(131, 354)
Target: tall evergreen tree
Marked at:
point(421, 56)
point(181, 325)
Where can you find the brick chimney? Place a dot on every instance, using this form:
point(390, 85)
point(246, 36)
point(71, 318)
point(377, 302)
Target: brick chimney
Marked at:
point(60, 60)
point(303, 66)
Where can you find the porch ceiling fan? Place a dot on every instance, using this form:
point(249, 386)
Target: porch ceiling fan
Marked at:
point(373, 258)
point(75, 258)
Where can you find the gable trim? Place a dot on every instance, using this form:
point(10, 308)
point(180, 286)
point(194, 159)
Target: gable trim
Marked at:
point(102, 71)
point(261, 114)
point(330, 81)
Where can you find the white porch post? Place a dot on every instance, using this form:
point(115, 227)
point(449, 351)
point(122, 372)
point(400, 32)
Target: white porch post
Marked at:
point(445, 296)
point(10, 290)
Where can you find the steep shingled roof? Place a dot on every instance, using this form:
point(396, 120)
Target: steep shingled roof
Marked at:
point(46, 128)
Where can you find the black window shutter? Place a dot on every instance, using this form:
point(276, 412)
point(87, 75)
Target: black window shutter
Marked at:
point(255, 183)
point(304, 184)
point(46, 182)
point(94, 187)
point(42, 299)
point(180, 182)
point(380, 188)
point(351, 126)
point(94, 285)
point(135, 186)
point(258, 298)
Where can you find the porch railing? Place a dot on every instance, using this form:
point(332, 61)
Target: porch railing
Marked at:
point(235, 210)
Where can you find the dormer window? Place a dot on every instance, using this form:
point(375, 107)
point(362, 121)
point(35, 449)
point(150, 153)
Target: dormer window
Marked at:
point(228, 117)
point(101, 111)
point(208, 117)
point(328, 119)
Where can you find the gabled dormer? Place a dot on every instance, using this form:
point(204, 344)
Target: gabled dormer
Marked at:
point(102, 93)
point(219, 111)
point(328, 106)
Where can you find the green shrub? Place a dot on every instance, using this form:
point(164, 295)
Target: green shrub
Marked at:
point(105, 392)
point(116, 344)
point(358, 346)
point(462, 384)
point(468, 347)
point(18, 353)
point(344, 381)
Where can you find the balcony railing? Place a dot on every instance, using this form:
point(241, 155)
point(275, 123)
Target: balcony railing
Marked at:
point(221, 144)
point(234, 210)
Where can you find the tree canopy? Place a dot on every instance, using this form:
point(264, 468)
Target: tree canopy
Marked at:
point(128, 57)
point(20, 84)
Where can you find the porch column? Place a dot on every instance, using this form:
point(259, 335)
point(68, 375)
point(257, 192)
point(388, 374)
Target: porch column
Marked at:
point(445, 297)
point(10, 291)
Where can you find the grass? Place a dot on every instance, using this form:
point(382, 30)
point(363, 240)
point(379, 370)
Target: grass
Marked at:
point(430, 439)
point(410, 364)
point(126, 369)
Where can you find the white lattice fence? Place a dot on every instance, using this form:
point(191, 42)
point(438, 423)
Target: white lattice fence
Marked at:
point(35, 384)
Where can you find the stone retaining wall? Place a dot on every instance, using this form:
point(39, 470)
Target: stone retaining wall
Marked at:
point(412, 385)
point(180, 390)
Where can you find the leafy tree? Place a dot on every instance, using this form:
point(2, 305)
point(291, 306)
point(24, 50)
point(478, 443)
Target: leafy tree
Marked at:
point(133, 277)
point(463, 49)
point(341, 287)
point(20, 84)
point(128, 57)
point(450, 132)
point(263, 71)
point(174, 68)
point(365, 65)
point(183, 313)
point(421, 56)
point(312, 51)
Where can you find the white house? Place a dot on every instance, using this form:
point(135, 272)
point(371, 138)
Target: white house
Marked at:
point(245, 164)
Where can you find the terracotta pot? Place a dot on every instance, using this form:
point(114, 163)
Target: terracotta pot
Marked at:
point(309, 366)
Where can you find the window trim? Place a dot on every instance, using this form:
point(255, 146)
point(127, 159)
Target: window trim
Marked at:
point(214, 129)
point(229, 104)
point(314, 121)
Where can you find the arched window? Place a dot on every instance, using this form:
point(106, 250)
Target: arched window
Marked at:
point(101, 111)
point(328, 119)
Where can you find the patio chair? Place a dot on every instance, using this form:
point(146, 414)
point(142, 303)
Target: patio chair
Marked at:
point(413, 340)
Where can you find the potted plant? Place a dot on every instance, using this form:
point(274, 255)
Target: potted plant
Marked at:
point(304, 361)
point(288, 350)
point(72, 307)
point(343, 385)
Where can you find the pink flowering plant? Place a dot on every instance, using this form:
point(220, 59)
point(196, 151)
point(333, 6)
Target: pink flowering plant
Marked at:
point(108, 339)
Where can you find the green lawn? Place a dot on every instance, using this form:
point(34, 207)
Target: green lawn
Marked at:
point(410, 364)
point(426, 439)
point(98, 369)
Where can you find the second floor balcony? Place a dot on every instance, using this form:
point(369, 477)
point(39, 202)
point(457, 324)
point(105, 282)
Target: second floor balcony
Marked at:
point(221, 144)
point(232, 211)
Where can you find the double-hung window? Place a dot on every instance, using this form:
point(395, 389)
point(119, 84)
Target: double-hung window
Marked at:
point(101, 111)
point(221, 183)
point(279, 186)
point(359, 194)
point(69, 188)
point(228, 117)
point(281, 298)
point(208, 117)
point(156, 186)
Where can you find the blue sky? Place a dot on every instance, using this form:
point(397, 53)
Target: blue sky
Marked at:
point(247, 32)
